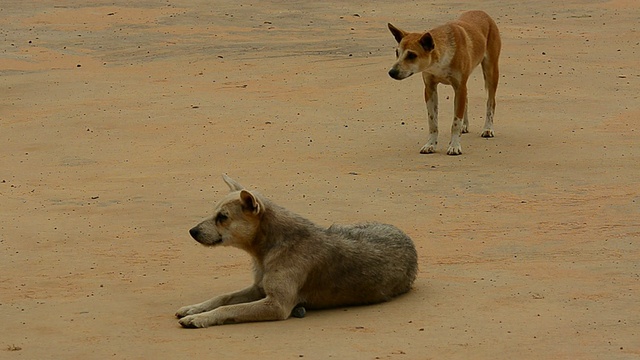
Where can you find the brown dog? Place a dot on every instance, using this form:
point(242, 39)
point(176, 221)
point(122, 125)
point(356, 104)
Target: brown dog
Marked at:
point(298, 264)
point(448, 54)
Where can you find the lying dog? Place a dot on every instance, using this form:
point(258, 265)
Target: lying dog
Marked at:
point(448, 54)
point(298, 264)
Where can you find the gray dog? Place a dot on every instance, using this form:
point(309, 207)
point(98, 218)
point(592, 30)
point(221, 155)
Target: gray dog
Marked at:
point(297, 264)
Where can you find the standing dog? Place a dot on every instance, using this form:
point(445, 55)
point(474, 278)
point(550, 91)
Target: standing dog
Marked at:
point(296, 263)
point(448, 54)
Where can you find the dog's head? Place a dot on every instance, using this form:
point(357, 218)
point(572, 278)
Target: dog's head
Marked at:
point(235, 219)
point(413, 54)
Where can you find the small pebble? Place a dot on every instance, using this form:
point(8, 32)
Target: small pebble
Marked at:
point(298, 312)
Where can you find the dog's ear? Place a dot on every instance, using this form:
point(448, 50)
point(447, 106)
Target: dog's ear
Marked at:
point(427, 42)
point(251, 203)
point(397, 33)
point(233, 185)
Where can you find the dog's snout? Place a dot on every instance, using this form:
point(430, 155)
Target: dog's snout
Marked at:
point(394, 73)
point(194, 232)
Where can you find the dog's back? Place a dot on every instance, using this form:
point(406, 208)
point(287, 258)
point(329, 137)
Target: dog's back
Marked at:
point(359, 264)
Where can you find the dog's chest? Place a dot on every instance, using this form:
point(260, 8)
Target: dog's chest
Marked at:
point(441, 71)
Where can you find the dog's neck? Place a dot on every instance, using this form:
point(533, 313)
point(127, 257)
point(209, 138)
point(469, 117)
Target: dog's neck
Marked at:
point(278, 227)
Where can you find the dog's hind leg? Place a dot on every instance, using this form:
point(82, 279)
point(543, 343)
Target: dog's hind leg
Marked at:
point(465, 122)
point(431, 99)
point(491, 75)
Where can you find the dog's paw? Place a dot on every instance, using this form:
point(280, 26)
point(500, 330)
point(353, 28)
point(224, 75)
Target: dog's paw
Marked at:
point(464, 129)
point(487, 133)
point(195, 321)
point(454, 149)
point(188, 310)
point(428, 149)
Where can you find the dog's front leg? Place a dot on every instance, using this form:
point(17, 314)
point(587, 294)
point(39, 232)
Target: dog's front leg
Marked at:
point(431, 99)
point(460, 106)
point(267, 309)
point(252, 293)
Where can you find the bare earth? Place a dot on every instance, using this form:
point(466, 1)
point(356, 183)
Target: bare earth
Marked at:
point(117, 119)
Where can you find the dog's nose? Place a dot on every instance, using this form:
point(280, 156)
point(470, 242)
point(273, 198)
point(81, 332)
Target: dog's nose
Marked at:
point(394, 73)
point(195, 232)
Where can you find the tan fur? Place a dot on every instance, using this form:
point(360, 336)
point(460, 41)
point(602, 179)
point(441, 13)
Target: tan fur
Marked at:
point(297, 264)
point(448, 54)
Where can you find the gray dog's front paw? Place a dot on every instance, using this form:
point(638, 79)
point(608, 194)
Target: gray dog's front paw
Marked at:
point(195, 321)
point(188, 310)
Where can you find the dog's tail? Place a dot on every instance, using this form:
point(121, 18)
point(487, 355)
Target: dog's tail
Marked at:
point(490, 62)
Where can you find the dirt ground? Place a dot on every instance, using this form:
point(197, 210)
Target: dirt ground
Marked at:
point(117, 119)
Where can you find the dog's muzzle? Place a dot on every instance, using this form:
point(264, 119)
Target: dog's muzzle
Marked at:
point(395, 73)
point(201, 236)
point(195, 233)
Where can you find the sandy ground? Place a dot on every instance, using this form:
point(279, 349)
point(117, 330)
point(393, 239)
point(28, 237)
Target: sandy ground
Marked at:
point(117, 119)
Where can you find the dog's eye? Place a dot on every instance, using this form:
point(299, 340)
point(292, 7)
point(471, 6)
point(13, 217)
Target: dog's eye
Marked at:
point(411, 56)
point(221, 217)
point(397, 54)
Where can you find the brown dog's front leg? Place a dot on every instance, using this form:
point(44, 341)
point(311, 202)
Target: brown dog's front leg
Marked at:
point(460, 105)
point(431, 99)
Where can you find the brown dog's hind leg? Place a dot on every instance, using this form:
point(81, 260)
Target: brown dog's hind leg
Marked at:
point(465, 122)
point(491, 75)
point(491, 72)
